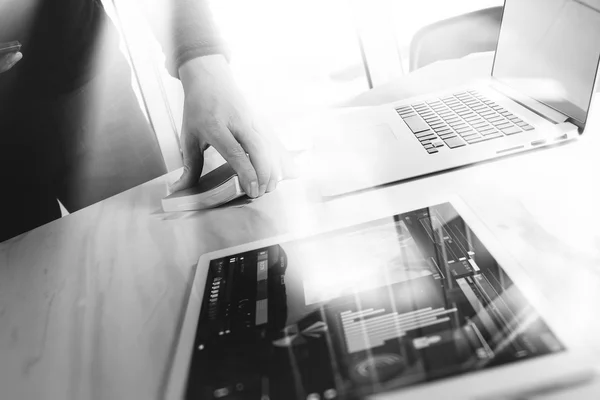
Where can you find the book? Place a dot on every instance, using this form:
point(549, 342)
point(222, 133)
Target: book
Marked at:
point(213, 189)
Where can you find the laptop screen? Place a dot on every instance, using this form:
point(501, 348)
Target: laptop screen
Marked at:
point(549, 51)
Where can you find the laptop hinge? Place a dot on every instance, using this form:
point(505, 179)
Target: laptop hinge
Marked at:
point(532, 105)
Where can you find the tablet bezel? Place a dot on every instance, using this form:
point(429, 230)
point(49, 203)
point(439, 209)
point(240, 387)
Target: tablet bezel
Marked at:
point(574, 364)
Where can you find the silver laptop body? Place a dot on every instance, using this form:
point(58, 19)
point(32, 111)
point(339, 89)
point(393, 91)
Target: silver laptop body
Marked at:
point(538, 94)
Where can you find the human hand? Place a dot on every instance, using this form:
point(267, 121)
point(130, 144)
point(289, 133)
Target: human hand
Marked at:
point(215, 114)
point(7, 61)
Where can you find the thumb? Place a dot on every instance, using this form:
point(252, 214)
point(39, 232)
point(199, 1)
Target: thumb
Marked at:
point(193, 162)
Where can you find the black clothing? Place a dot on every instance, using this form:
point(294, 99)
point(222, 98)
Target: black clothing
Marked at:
point(56, 137)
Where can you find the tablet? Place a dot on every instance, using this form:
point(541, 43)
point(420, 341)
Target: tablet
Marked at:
point(423, 303)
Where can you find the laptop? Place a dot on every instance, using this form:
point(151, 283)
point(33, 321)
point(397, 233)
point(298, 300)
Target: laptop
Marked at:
point(419, 304)
point(538, 95)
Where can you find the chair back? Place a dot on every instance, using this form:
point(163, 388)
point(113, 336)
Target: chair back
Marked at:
point(456, 37)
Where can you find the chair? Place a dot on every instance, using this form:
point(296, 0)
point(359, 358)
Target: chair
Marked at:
point(456, 37)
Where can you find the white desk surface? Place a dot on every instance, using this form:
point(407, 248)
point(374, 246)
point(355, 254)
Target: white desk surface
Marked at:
point(90, 305)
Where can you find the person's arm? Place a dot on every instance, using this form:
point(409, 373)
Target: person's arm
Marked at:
point(215, 112)
point(186, 29)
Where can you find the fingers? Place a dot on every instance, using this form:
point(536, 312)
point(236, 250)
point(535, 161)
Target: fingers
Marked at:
point(233, 152)
point(193, 161)
point(9, 60)
point(260, 156)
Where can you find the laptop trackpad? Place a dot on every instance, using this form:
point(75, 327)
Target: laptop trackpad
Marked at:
point(375, 133)
point(365, 137)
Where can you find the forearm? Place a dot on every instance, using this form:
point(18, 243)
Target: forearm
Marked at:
point(186, 29)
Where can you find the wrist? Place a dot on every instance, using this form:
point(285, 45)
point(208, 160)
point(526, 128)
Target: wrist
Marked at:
point(198, 66)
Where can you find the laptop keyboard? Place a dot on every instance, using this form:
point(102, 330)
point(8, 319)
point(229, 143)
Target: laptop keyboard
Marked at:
point(458, 120)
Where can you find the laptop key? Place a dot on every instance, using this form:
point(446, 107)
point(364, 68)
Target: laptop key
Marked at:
point(407, 114)
point(494, 136)
point(490, 132)
point(465, 135)
point(454, 142)
point(503, 125)
point(484, 138)
point(433, 150)
point(485, 127)
point(427, 138)
point(463, 131)
point(416, 124)
point(437, 143)
point(493, 117)
point(527, 127)
point(424, 133)
point(481, 126)
point(474, 139)
point(511, 130)
point(446, 133)
point(448, 136)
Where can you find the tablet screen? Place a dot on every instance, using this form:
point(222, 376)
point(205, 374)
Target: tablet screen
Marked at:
point(373, 308)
